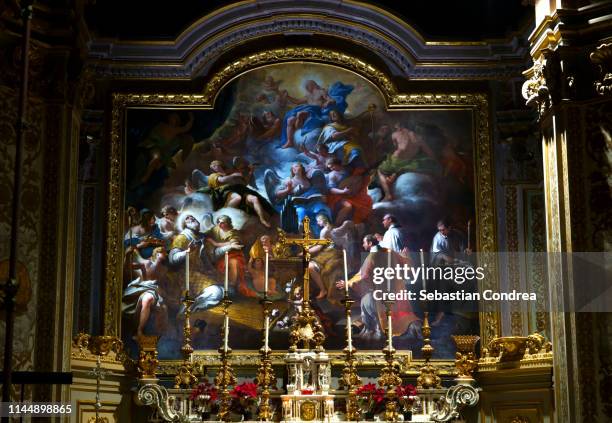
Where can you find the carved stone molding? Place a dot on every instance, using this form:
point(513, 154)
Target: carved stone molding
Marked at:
point(534, 90)
point(602, 57)
point(457, 397)
point(408, 54)
point(157, 396)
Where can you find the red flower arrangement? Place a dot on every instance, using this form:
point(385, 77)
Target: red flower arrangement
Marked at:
point(370, 398)
point(307, 391)
point(243, 397)
point(205, 389)
point(405, 391)
point(246, 390)
point(406, 395)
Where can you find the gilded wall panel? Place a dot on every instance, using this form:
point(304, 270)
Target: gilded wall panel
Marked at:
point(30, 221)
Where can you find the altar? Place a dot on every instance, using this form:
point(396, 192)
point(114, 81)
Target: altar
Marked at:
point(307, 396)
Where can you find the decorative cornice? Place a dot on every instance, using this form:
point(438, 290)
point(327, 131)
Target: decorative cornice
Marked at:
point(516, 352)
point(602, 57)
point(109, 348)
point(535, 89)
point(406, 52)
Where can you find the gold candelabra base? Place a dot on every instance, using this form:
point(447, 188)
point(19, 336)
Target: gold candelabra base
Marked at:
point(265, 374)
point(389, 374)
point(185, 376)
point(350, 380)
point(225, 377)
point(390, 379)
point(428, 376)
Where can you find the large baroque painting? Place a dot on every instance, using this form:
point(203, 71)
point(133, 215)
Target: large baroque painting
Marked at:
point(284, 142)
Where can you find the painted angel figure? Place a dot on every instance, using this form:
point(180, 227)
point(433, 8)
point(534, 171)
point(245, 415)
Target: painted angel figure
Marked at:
point(348, 197)
point(342, 237)
point(228, 188)
point(143, 296)
point(307, 194)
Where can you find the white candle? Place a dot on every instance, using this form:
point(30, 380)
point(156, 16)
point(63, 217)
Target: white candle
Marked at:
point(346, 287)
point(187, 271)
point(266, 331)
point(226, 332)
point(390, 330)
point(266, 275)
point(348, 330)
point(389, 265)
point(226, 282)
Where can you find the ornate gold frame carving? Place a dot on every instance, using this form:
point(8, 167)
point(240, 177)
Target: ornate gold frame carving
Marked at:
point(484, 171)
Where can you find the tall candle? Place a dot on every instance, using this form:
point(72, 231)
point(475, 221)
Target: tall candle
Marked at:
point(346, 287)
point(349, 324)
point(226, 282)
point(226, 332)
point(266, 331)
point(187, 271)
point(390, 330)
point(389, 265)
point(266, 275)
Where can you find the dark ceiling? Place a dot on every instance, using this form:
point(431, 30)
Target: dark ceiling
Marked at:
point(434, 19)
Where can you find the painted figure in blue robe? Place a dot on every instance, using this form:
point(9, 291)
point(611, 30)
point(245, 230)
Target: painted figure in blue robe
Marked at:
point(339, 139)
point(144, 236)
point(313, 109)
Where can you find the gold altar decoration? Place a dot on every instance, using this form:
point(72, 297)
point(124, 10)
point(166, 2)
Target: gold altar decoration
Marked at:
point(465, 358)
point(350, 380)
point(185, 376)
point(225, 377)
point(102, 345)
point(306, 327)
point(389, 374)
point(428, 377)
point(476, 103)
point(110, 349)
point(265, 373)
point(516, 352)
point(147, 356)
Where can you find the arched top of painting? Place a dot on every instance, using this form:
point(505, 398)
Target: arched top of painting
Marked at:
point(293, 73)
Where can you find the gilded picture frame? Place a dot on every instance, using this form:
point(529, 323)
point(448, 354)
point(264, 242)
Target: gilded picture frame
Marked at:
point(476, 103)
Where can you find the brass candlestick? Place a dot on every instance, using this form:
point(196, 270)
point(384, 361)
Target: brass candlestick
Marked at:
point(185, 376)
point(389, 374)
point(225, 377)
point(350, 380)
point(265, 373)
point(428, 377)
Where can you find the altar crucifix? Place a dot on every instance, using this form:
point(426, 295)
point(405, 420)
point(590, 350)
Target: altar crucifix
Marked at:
point(306, 326)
